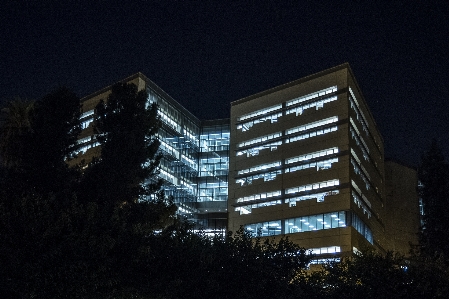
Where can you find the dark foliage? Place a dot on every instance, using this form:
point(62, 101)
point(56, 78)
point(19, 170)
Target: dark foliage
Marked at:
point(369, 275)
point(126, 129)
point(64, 233)
point(189, 265)
point(374, 275)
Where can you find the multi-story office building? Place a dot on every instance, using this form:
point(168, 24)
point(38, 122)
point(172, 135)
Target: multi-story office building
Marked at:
point(305, 159)
point(194, 167)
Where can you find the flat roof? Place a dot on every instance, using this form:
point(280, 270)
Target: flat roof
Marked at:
point(293, 83)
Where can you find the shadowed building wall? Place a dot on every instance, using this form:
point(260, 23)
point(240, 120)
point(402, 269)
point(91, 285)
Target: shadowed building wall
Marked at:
point(402, 226)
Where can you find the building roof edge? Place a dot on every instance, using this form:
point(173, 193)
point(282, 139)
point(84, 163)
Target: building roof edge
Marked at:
point(292, 83)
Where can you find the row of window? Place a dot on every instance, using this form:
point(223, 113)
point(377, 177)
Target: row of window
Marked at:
point(214, 166)
point(260, 167)
point(166, 148)
point(359, 143)
point(188, 161)
point(313, 155)
point(361, 173)
point(262, 199)
point(84, 140)
point(86, 123)
point(169, 121)
point(260, 139)
point(264, 195)
point(213, 191)
point(247, 125)
point(266, 176)
point(260, 112)
point(362, 146)
point(87, 114)
point(273, 145)
point(249, 208)
point(311, 134)
point(274, 112)
point(361, 117)
point(173, 116)
point(215, 142)
point(298, 225)
point(293, 190)
point(360, 199)
point(359, 113)
point(314, 186)
point(360, 170)
point(270, 173)
point(87, 118)
point(165, 175)
point(312, 96)
point(319, 196)
point(326, 250)
point(318, 104)
point(361, 227)
point(84, 148)
point(310, 223)
point(354, 127)
point(254, 151)
point(319, 165)
point(312, 125)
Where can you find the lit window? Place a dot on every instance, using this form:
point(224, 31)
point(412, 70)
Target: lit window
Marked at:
point(319, 185)
point(312, 96)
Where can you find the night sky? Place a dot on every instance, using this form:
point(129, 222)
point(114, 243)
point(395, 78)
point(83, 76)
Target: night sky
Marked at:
point(206, 54)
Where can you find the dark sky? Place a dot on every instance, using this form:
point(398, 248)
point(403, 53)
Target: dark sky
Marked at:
point(206, 54)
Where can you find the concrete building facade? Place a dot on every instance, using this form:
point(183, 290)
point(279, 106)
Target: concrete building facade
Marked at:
point(306, 160)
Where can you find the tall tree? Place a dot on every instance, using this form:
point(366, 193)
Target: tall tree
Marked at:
point(433, 175)
point(126, 129)
point(38, 137)
point(36, 190)
point(56, 127)
point(15, 119)
point(125, 173)
point(67, 234)
point(121, 185)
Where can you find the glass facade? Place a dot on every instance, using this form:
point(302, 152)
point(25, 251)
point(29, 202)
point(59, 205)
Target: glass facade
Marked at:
point(212, 180)
point(195, 158)
point(213, 163)
point(195, 163)
point(180, 148)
